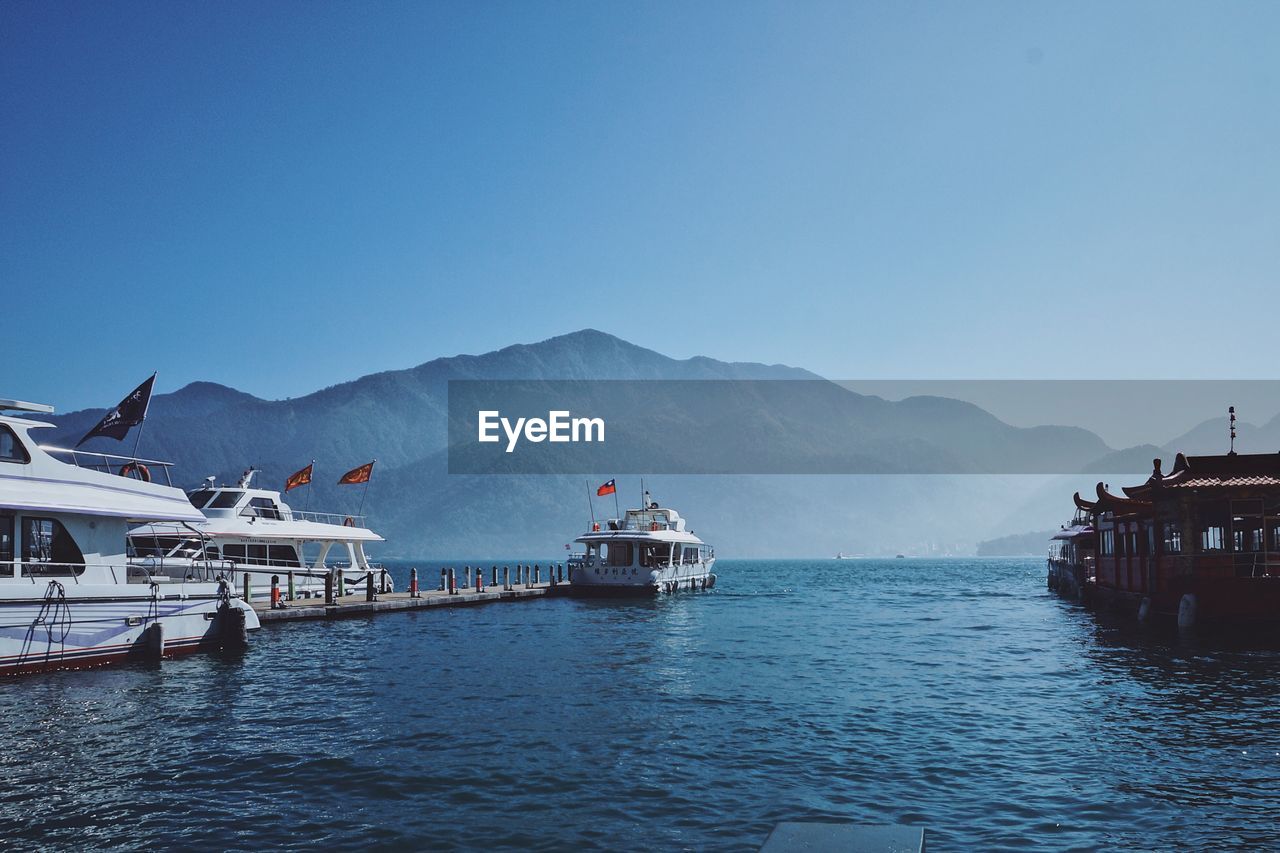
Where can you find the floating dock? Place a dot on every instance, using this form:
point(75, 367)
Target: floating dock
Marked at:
point(359, 604)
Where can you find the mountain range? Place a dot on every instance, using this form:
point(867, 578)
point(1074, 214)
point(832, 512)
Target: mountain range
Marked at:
point(400, 418)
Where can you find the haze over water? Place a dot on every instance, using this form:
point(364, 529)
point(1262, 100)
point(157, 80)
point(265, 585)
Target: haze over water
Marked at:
point(954, 694)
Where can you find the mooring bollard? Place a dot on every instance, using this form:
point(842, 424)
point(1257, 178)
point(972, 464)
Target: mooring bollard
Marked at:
point(561, 569)
point(479, 579)
point(342, 582)
point(248, 588)
point(537, 573)
point(413, 583)
point(494, 580)
point(453, 581)
point(275, 592)
point(444, 579)
point(368, 587)
point(506, 577)
point(467, 584)
point(382, 582)
point(328, 588)
point(293, 590)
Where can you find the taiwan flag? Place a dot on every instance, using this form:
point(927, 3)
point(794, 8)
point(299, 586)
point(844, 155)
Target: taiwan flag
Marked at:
point(357, 475)
point(299, 478)
point(607, 489)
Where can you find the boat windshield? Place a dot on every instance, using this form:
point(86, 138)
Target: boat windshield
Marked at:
point(226, 499)
point(200, 497)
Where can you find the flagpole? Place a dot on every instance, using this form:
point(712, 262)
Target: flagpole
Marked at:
point(309, 481)
point(590, 503)
point(365, 493)
point(617, 511)
point(138, 438)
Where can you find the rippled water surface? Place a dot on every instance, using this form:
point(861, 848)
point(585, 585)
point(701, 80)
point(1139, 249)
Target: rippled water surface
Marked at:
point(954, 694)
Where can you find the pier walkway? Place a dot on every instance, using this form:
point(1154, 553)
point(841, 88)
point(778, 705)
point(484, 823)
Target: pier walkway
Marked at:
point(358, 605)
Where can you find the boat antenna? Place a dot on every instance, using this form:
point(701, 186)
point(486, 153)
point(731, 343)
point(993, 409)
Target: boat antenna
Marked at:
point(1231, 410)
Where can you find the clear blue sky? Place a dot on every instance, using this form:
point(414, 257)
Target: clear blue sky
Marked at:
point(283, 196)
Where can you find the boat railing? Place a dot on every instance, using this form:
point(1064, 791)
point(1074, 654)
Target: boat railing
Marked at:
point(324, 517)
point(110, 463)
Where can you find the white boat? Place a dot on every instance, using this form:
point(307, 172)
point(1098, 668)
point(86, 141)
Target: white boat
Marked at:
point(647, 550)
point(250, 531)
point(68, 596)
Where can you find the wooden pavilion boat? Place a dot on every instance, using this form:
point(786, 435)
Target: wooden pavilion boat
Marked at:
point(1199, 545)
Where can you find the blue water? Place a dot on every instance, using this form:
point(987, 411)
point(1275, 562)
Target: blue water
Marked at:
point(956, 694)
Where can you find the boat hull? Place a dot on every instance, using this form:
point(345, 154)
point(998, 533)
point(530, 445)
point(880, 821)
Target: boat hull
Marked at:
point(40, 635)
point(606, 580)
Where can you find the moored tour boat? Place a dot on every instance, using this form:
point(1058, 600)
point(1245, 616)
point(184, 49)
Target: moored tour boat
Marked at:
point(1199, 545)
point(69, 597)
point(253, 532)
point(648, 550)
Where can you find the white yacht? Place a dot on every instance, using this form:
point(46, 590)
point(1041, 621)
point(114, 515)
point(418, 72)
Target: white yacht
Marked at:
point(68, 596)
point(647, 550)
point(246, 530)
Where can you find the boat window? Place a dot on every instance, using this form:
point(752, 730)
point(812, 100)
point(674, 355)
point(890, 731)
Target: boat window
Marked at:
point(254, 555)
point(262, 508)
point(283, 555)
point(691, 555)
point(226, 499)
point(1172, 538)
point(48, 545)
point(654, 556)
point(200, 497)
point(615, 553)
point(1108, 542)
point(6, 546)
point(1211, 538)
point(11, 449)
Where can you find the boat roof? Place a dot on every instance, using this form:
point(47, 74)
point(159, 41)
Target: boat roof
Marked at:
point(48, 484)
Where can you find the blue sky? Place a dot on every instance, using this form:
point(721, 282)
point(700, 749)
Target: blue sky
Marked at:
point(283, 196)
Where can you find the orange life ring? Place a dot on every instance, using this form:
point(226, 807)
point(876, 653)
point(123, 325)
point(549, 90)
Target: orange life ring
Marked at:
point(130, 468)
point(348, 522)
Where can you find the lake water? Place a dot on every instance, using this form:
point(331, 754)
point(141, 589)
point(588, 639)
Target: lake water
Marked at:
point(954, 694)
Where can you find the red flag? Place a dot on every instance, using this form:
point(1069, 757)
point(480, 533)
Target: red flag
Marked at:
point(299, 478)
point(607, 489)
point(357, 475)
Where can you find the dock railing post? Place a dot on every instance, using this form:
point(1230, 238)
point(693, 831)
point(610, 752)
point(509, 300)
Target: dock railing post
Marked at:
point(479, 579)
point(444, 579)
point(467, 583)
point(494, 580)
point(413, 583)
point(342, 582)
point(248, 588)
point(328, 588)
point(506, 577)
point(560, 568)
point(293, 589)
point(537, 573)
point(368, 587)
point(528, 573)
point(275, 592)
point(382, 581)
point(453, 581)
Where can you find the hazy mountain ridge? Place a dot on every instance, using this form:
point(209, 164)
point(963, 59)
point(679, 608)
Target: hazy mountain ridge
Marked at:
point(399, 417)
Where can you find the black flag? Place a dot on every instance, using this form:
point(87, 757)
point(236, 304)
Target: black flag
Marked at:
point(124, 417)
